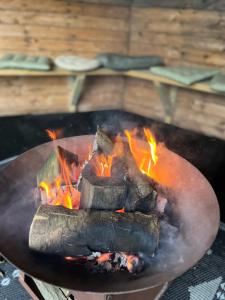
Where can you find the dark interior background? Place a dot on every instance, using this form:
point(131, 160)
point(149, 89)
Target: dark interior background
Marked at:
point(18, 134)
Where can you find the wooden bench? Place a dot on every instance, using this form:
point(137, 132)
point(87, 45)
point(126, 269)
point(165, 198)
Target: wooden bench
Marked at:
point(166, 88)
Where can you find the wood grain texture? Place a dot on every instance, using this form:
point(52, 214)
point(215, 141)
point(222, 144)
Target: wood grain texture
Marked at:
point(193, 36)
point(196, 111)
point(181, 36)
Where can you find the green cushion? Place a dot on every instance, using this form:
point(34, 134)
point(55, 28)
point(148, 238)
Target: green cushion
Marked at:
point(124, 62)
point(185, 75)
point(218, 83)
point(22, 61)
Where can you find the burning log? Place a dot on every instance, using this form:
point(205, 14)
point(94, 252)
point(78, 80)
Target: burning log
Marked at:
point(139, 180)
point(102, 193)
point(135, 203)
point(57, 230)
point(53, 166)
point(143, 196)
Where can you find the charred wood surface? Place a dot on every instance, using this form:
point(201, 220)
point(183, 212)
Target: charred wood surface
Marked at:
point(52, 169)
point(61, 231)
point(139, 180)
point(102, 142)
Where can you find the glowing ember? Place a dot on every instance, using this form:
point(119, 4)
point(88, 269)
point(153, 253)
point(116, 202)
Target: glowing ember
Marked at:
point(143, 157)
point(122, 210)
point(104, 257)
point(132, 262)
point(70, 258)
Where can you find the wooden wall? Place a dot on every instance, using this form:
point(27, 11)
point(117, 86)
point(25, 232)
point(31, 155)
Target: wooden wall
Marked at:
point(52, 28)
point(200, 112)
point(184, 37)
point(190, 36)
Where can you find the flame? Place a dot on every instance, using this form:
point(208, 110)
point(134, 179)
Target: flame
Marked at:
point(144, 157)
point(52, 134)
point(103, 165)
point(62, 191)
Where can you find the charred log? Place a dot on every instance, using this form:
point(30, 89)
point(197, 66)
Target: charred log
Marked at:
point(52, 168)
point(61, 231)
point(102, 142)
point(139, 180)
point(135, 203)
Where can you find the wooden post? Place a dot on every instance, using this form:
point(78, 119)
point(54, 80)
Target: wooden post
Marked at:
point(168, 97)
point(76, 92)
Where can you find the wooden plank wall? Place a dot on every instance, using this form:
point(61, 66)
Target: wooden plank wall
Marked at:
point(184, 37)
point(188, 36)
point(52, 28)
point(191, 36)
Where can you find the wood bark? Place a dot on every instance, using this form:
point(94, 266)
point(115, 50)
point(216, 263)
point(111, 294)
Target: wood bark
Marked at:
point(102, 193)
point(102, 142)
point(143, 190)
point(52, 168)
point(61, 231)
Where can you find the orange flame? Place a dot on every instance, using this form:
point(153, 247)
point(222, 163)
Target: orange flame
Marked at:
point(62, 191)
point(143, 157)
point(103, 165)
point(52, 134)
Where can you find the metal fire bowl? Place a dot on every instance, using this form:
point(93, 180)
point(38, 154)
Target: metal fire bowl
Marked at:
point(194, 203)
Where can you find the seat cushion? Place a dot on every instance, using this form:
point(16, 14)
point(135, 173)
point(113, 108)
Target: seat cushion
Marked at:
point(76, 63)
point(185, 75)
point(123, 62)
point(22, 61)
point(218, 83)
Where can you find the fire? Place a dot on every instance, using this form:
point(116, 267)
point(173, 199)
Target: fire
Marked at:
point(52, 134)
point(103, 165)
point(62, 191)
point(144, 157)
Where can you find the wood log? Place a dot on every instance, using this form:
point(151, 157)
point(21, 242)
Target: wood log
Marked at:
point(61, 231)
point(135, 203)
point(102, 142)
point(144, 189)
point(104, 193)
point(139, 180)
point(52, 168)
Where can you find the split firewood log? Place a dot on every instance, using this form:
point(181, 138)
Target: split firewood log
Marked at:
point(102, 142)
point(65, 232)
point(52, 167)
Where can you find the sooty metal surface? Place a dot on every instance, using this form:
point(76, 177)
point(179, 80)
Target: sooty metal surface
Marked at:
point(193, 202)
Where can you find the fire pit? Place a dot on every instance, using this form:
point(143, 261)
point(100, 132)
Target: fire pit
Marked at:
point(182, 241)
